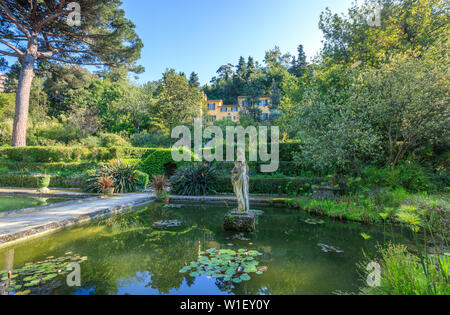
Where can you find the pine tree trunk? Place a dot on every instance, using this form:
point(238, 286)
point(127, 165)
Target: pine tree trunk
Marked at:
point(19, 138)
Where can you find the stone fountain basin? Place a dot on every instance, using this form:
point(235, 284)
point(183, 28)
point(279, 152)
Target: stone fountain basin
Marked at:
point(240, 221)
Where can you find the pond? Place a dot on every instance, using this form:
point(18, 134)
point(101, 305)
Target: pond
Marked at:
point(9, 203)
point(128, 254)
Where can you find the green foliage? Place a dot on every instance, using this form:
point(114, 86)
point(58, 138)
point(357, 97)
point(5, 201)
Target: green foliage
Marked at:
point(405, 25)
point(61, 167)
point(108, 140)
point(199, 179)
point(408, 175)
point(123, 175)
point(406, 103)
point(142, 179)
point(42, 273)
point(28, 181)
point(158, 161)
point(417, 211)
point(404, 273)
point(176, 101)
point(229, 265)
point(151, 140)
point(7, 103)
point(263, 185)
point(45, 154)
point(71, 154)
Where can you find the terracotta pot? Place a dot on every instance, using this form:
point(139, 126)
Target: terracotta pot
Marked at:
point(165, 200)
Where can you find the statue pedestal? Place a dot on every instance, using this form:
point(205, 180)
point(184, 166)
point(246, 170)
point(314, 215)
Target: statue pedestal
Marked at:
point(240, 221)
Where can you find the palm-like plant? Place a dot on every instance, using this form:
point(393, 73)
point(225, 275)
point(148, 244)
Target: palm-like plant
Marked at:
point(159, 184)
point(195, 180)
point(121, 173)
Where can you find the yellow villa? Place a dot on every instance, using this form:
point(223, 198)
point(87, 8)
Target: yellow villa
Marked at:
point(217, 110)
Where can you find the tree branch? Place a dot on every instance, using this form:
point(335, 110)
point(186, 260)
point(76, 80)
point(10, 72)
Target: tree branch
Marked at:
point(9, 54)
point(14, 20)
point(18, 51)
point(80, 62)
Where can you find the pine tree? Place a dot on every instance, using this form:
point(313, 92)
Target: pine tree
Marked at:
point(85, 32)
point(194, 81)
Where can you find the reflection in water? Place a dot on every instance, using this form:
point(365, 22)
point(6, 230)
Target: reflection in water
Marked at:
point(8, 203)
point(127, 255)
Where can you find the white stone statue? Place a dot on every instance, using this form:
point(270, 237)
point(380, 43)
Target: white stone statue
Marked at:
point(240, 179)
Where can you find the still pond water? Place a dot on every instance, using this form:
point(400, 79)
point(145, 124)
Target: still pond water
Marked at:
point(128, 255)
point(8, 203)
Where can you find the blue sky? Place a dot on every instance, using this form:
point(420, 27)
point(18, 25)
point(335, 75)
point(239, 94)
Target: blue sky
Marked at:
point(202, 35)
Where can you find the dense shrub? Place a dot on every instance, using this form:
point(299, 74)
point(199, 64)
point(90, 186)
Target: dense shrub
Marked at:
point(151, 141)
point(288, 150)
point(123, 175)
point(158, 162)
point(6, 127)
point(27, 181)
point(408, 175)
point(261, 185)
point(71, 154)
point(48, 167)
point(199, 179)
point(108, 140)
point(130, 152)
point(45, 154)
point(285, 168)
point(142, 179)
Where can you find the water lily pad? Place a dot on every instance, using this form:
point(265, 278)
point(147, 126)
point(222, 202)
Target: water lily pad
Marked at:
point(39, 272)
point(245, 277)
point(225, 263)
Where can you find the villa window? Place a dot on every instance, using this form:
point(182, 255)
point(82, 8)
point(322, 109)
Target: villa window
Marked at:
point(212, 106)
point(223, 110)
point(263, 103)
point(234, 109)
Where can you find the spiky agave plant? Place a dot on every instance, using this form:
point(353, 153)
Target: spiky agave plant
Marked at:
point(195, 180)
point(122, 174)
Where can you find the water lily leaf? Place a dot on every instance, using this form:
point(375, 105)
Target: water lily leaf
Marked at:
point(50, 276)
point(237, 280)
point(194, 274)
point(365, 236)
point(245, 277)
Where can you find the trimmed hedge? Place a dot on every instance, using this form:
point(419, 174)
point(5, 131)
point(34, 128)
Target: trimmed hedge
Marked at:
point(285, 168)
point(288, 186)
point(48, 167)
point(287, 150)
point(155, 163)
point(71, 154)
point(27, 181)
